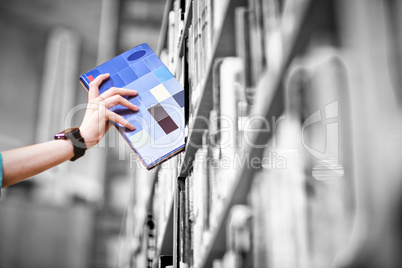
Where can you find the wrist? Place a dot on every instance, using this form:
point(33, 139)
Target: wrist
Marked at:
point(78, 142)
point(67, 146)
point(88, 139)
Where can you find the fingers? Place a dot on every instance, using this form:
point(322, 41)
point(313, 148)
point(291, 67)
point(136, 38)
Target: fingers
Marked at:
point(118, 91)
point(117, 99)
point(118, 119)
point(94, 86)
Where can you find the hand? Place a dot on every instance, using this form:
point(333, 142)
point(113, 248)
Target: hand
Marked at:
point(96, 120)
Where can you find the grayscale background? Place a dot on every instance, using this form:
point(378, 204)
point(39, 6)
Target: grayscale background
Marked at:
point(70, 216)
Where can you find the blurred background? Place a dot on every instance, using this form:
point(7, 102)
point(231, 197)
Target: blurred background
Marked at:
point(70, 216)
point(292, 58)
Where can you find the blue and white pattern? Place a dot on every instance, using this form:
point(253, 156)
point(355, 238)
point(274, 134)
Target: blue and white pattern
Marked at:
point(159, 122)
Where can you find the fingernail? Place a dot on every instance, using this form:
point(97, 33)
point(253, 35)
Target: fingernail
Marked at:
point(136, 108)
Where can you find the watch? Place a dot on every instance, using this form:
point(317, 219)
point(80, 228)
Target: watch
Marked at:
point(74, 135)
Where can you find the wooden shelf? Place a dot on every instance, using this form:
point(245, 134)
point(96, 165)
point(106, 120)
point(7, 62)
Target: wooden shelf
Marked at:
point(222, 47)
point(271, 104)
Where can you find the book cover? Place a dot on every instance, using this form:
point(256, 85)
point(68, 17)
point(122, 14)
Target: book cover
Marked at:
point(159, 123)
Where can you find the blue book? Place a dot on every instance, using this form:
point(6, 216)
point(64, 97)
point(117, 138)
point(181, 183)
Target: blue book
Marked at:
point(159, 123)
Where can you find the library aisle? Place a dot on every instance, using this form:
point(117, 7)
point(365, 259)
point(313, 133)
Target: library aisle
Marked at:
point(293, 128)
point(293, 131)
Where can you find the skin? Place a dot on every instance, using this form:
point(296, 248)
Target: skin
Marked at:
point(25, 162)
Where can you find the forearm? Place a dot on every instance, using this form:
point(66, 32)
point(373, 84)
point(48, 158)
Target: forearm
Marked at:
point(26, 162)
point(22, 163)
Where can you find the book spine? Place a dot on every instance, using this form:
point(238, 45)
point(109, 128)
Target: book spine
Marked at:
point(230, 72)
point(190, 181)
point(84, 82)
point(188, 222)
point(182, 233)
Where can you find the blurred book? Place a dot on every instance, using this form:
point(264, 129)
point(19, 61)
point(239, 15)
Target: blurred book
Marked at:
point(240, 236)
point(165, 261)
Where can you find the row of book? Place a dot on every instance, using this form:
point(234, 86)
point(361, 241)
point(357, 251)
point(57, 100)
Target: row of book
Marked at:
point(283, 225)
point(297, 195)
point(263, 30)
point(148, 214)
point(162, 203)
point(163, 194)
point(259, 35)
point(303, 205)
point(291, 197)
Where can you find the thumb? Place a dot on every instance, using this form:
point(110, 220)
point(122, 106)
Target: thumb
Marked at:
point(94, 86)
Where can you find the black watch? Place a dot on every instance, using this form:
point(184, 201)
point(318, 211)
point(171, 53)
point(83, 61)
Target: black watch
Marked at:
point(74, 135)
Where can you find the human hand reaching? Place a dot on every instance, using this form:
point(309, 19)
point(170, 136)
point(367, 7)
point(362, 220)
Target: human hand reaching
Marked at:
point(96, 120)
point(25, 162)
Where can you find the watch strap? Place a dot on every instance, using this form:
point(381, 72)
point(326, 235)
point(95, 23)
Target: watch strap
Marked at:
point(74, 135)
point(78, 141)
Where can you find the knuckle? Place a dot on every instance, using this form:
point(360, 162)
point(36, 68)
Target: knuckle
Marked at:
point(92, 84)
point(115, 98)
point(95, 81)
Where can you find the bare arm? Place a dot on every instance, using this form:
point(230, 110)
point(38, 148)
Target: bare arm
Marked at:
point(25, 162)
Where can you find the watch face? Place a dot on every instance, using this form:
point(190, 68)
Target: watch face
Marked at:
point(60, 135)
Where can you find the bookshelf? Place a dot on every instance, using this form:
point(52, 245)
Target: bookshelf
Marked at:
point(246, 216)
point(221, 48)
point(273, 106)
